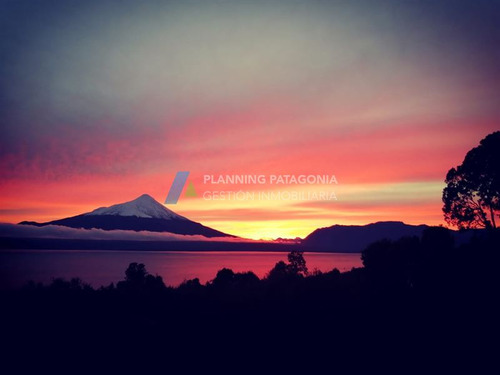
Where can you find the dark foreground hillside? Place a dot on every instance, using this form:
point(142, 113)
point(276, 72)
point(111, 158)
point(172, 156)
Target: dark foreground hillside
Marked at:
point(418, 304)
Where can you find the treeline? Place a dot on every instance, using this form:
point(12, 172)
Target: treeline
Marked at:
point(418, 303)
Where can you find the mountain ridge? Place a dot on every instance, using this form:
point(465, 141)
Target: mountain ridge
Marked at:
point(355, 238)
point(141, 214)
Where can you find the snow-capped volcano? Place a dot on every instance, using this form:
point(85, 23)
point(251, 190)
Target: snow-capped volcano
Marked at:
point(144, 206)
point(140, 214)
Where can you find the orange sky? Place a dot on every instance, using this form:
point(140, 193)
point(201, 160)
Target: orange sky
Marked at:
point(379, 178)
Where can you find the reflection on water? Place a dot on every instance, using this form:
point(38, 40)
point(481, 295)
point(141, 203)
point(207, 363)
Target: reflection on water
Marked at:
point(103, 267)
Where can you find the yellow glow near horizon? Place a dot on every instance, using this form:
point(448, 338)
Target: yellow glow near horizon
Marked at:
point(413, 203)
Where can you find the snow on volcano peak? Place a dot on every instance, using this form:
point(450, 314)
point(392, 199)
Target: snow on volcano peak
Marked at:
point(144, 206)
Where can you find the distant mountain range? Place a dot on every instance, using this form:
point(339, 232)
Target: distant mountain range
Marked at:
point(146, 214)
point(355, 238)
point(141, 214)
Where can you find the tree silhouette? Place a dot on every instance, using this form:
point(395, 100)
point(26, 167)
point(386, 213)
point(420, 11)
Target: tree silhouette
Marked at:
point(278, 272)
point(297, 262)
point(472, 195)
point(135, 273)
point(223, 278)
point(138, 278)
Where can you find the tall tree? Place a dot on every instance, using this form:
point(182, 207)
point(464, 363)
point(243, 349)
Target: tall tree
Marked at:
point(472, 195)
point(297, 263)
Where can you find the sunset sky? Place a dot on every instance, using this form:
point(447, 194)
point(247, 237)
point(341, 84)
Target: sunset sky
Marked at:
point(103, 101)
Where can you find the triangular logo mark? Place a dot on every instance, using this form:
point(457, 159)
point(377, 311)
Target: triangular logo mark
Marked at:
point(190, 191)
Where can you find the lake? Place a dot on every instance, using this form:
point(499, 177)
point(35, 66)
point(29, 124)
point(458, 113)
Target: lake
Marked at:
point(104, 267)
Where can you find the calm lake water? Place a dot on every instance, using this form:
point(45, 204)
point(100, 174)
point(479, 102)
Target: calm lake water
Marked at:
point(103, 267)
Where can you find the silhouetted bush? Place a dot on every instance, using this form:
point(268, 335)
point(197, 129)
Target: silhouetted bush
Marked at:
point(75, 284)
point(138, 279)
point(224, 278)
point(193, 284)
point(297, 263)
point(283, 272)
point(280, 271)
